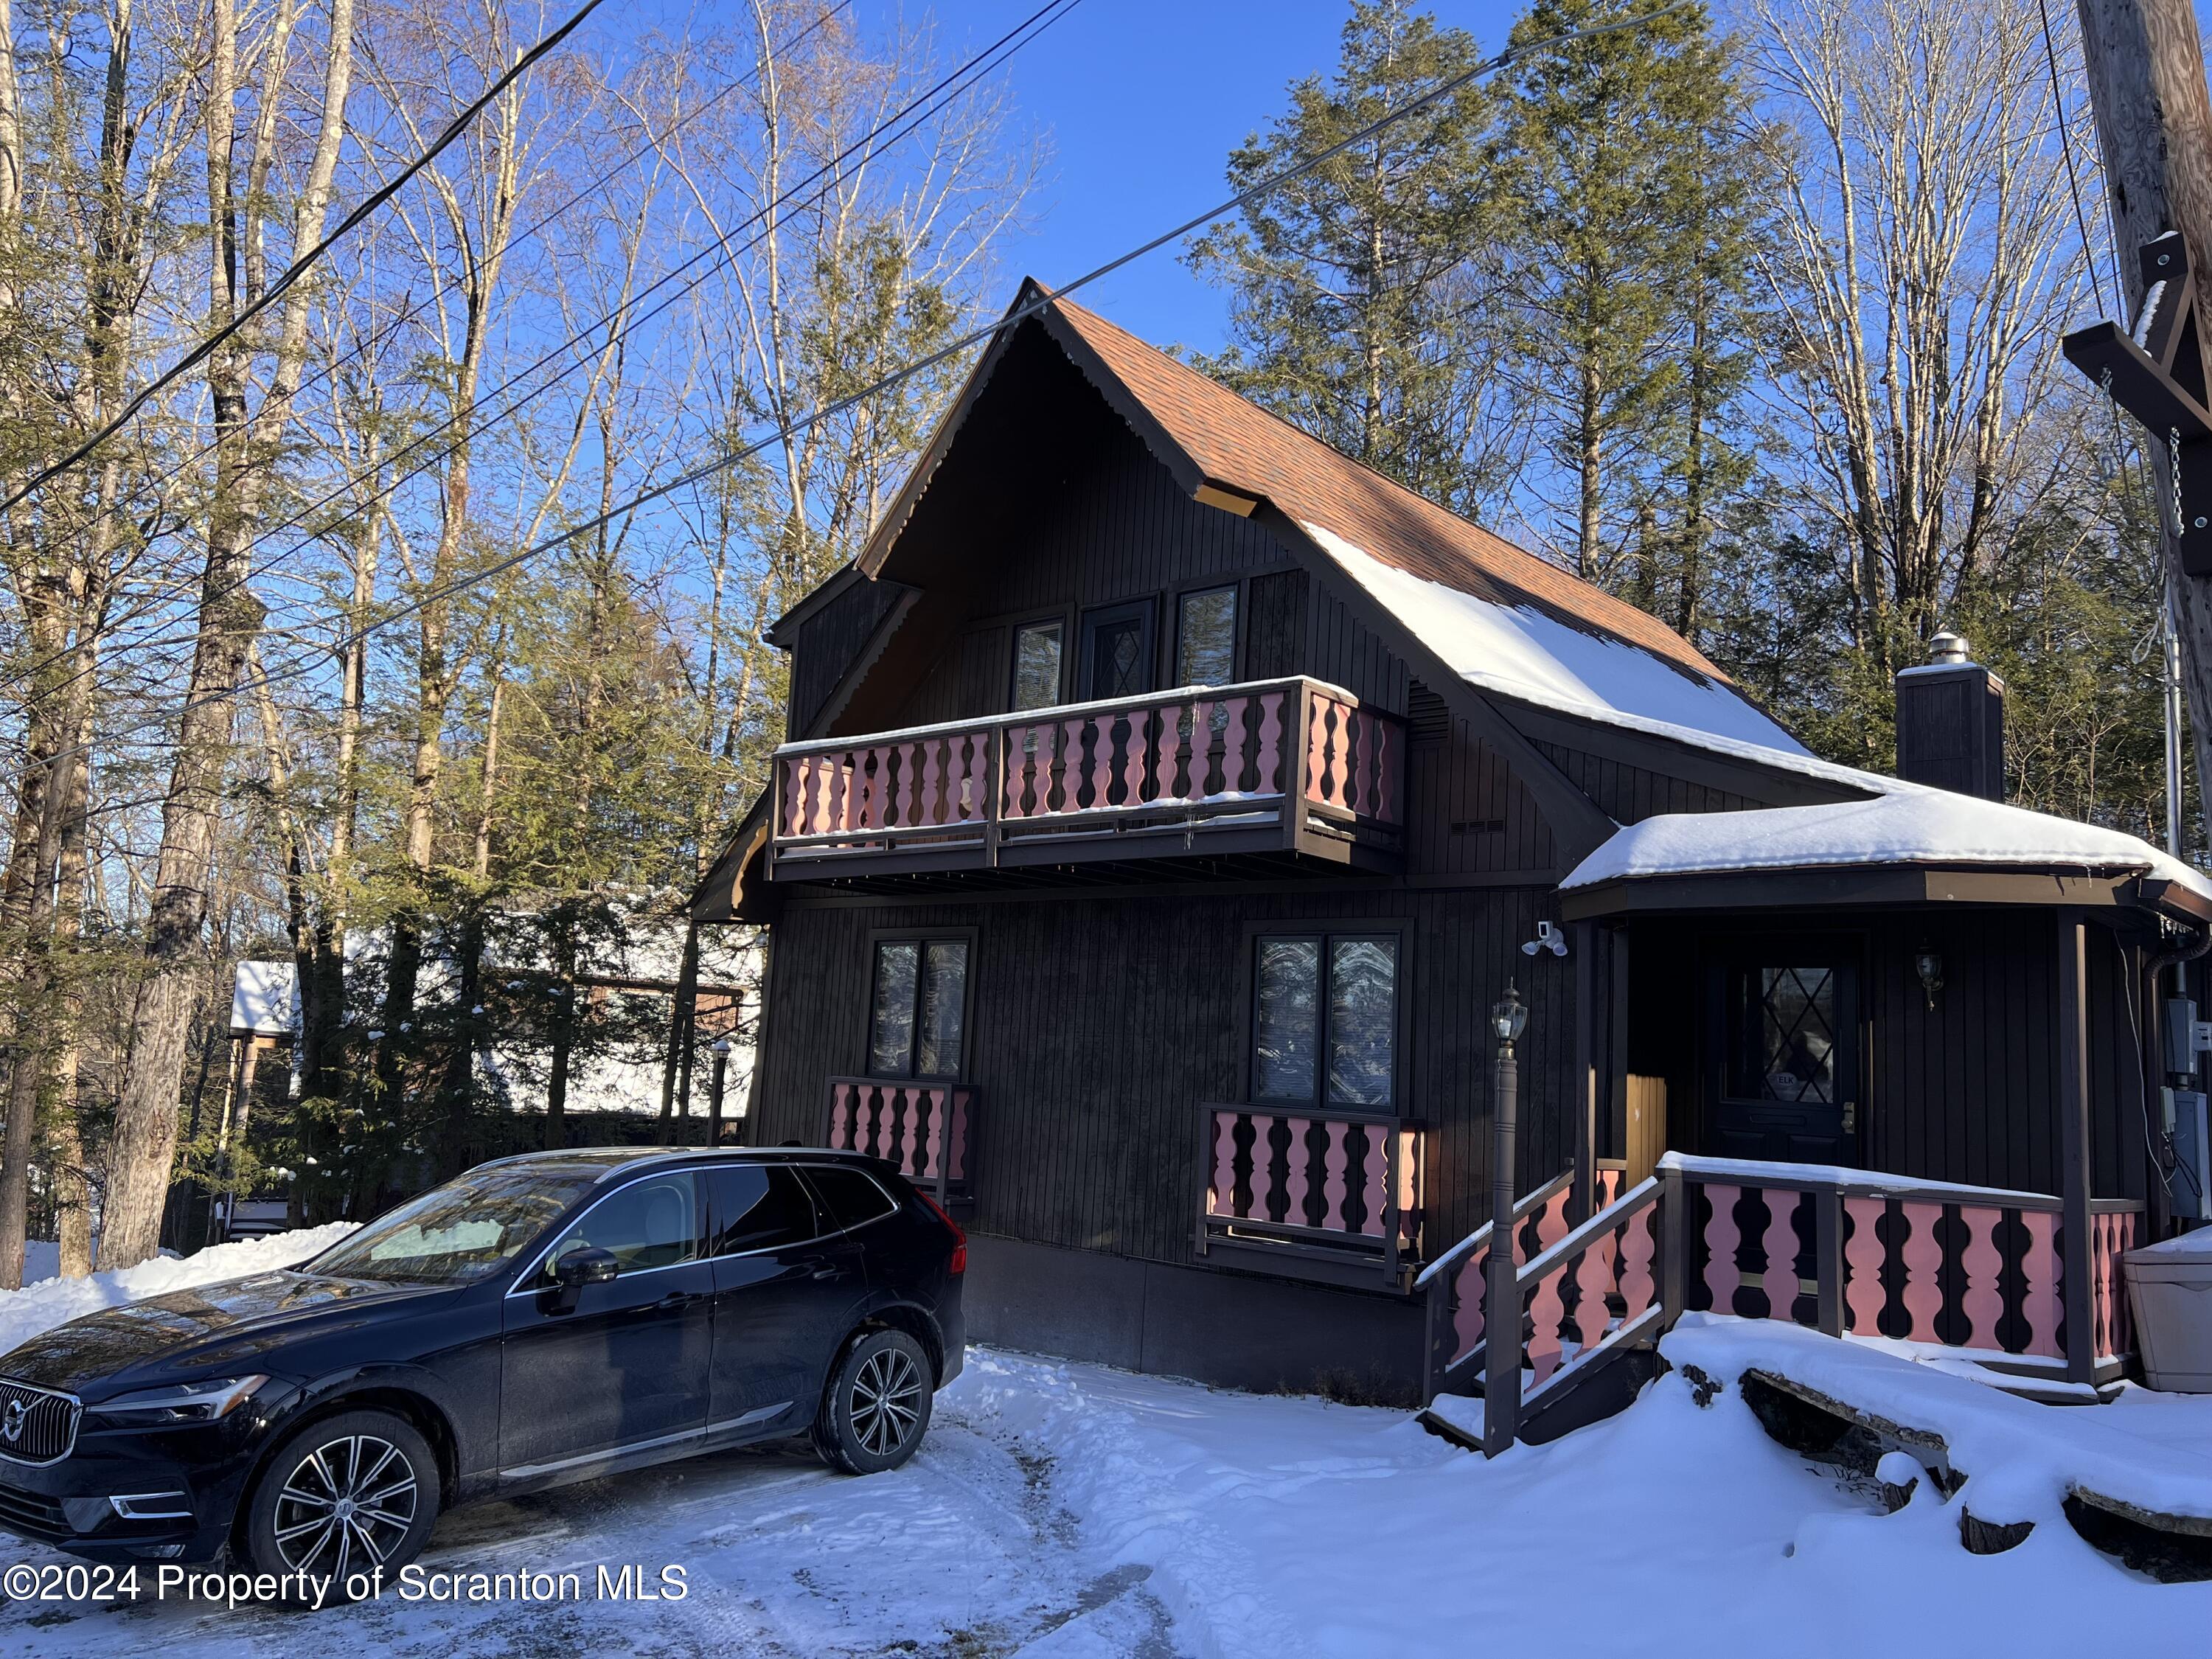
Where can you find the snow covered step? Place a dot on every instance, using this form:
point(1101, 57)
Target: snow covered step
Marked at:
point(2133, 1477)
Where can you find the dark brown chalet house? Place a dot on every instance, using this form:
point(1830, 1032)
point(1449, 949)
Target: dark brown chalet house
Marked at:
point(1169, 799)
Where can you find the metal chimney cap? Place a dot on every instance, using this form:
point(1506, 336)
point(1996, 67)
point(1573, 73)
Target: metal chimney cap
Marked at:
point(1947, 649)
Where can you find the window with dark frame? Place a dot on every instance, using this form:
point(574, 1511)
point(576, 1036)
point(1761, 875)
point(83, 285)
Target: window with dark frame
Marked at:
point(917, 1007)
point(1206, 637)
point(1037, 650)
point(1325, 1019)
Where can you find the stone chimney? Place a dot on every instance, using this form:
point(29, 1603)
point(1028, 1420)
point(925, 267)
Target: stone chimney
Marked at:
point(1950, 722)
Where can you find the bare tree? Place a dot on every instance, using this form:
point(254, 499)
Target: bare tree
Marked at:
point(1932, 261)
point(246, 442)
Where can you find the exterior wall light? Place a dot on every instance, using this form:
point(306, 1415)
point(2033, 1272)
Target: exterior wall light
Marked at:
point(1929, 966)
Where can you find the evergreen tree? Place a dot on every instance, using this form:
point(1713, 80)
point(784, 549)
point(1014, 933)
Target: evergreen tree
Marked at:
point(1363, 292)
point(1626, 169)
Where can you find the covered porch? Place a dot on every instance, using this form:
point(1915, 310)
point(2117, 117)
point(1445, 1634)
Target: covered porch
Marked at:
point(1827, 1074)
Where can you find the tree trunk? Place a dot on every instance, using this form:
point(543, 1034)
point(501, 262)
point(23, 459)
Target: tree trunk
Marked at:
point(229, 617)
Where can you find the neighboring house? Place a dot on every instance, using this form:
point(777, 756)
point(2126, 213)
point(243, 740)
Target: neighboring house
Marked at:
point(1167, 800)
point(266, 1013)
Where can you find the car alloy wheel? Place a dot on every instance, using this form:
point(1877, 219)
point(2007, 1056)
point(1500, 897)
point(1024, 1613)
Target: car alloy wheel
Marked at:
point(886, 1400)
point(345, 1506)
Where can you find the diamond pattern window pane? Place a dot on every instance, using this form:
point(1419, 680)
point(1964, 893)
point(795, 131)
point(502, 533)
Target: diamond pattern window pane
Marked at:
point(1794, 1017)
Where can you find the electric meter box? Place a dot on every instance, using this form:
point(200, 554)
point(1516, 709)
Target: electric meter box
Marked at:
point(2192, 1154)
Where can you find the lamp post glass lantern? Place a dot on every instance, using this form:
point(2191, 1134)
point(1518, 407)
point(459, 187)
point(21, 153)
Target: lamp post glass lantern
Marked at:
point(1509, 1017)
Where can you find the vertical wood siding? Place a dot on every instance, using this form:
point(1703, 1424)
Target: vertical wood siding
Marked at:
point(1627, 793)
point(1101, 1026)
point(827, 644)
point(1467, 812)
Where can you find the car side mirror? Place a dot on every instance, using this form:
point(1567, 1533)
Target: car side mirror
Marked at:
point(588, 1264)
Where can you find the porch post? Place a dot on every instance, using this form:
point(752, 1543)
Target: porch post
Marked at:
point(2072, 1013)
point(1501, 1314)
point(1580, 937)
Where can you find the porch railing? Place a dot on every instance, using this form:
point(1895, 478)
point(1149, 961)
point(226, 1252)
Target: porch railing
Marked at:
point(1296, 1178)
point(1226, 756)
point(926, 1129)
point(1842, 1251)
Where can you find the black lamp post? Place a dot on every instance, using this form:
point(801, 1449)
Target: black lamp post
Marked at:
point(721, 1051)
point(1501, 1320)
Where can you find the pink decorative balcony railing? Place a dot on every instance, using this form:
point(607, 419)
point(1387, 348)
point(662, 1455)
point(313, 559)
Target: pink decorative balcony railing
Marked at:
point(1321, 1180)
point(1843, 1251)
point(1226, 759)
point(924, 1128)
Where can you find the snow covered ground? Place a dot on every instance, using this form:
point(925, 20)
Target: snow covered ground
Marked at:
point(1071, 1512)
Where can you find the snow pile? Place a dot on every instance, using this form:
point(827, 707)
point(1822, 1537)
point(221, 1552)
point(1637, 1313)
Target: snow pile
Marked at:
point(1071, 1512)
point(1520, 651)
point(1909, 824)
point(43, 1305)
point(2021, 1459)
point(1277, 1528)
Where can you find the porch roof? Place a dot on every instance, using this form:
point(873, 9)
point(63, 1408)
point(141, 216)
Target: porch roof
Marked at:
point(1908, 844)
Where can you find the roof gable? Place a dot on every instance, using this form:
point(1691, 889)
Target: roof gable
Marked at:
point(1508, 622)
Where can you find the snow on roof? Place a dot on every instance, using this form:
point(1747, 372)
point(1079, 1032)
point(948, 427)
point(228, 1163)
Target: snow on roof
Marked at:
point(1910, 824)
point(1521, 651)
point(265, 999)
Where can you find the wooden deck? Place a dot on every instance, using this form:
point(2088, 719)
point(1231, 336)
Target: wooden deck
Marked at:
point(1292, 767)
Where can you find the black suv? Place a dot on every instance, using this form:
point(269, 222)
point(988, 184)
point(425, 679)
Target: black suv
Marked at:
point(538, 1320)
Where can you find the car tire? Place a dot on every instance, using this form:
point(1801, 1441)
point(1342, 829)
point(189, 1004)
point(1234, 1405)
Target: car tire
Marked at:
point(369, 1478)
point(876, 1409)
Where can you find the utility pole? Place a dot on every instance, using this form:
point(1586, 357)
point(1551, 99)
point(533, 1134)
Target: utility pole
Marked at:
point(2145, 66)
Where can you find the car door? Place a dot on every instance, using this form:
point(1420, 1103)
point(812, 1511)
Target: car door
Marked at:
point(619, 1366)
point(788, 1287)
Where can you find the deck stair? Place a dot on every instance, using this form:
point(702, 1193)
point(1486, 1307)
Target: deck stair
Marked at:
point(1967, 1279)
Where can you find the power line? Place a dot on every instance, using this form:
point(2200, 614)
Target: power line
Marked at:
point(898, 376)
point(909, 115)
point(300, 266)
point(411, 310)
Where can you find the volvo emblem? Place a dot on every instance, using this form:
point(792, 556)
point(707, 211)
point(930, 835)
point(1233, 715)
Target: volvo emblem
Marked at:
point(11, 1421)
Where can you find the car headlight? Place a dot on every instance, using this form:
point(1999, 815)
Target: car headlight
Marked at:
point(183, 1402)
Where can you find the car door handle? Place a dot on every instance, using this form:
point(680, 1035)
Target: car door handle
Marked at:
point(677, 1299)
point(828, 1273)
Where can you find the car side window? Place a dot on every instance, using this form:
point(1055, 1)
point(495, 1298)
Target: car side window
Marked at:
point(760, 1206)
point(852, 1196)
point(654, 1223)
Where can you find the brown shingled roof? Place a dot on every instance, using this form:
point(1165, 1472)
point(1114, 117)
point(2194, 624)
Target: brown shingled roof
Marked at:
point(1240, 445)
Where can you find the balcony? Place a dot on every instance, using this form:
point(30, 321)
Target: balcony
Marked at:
point(1275, 773)
point(924, 1128)
point(1334, 1197)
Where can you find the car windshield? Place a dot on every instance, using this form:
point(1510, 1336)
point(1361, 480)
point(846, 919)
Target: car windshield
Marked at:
point(454, 1234)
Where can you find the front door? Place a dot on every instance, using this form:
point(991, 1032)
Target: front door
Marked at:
point(1784, 1036)
point(617, 1367)
point(787, 1288)
point(1117, 651)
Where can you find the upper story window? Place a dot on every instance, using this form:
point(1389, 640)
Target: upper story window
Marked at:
point(1325, 1019)
point(1206, 637)
point(918, 1007)
point(1036, 665)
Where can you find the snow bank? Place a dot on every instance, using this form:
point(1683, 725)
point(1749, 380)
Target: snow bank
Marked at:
point(2021, 1459)
point(1291, 1528)
point(1907, 825)
point(41, 1306)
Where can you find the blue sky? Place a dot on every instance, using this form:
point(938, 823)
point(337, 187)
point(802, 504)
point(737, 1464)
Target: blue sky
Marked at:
point(1143, 99)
